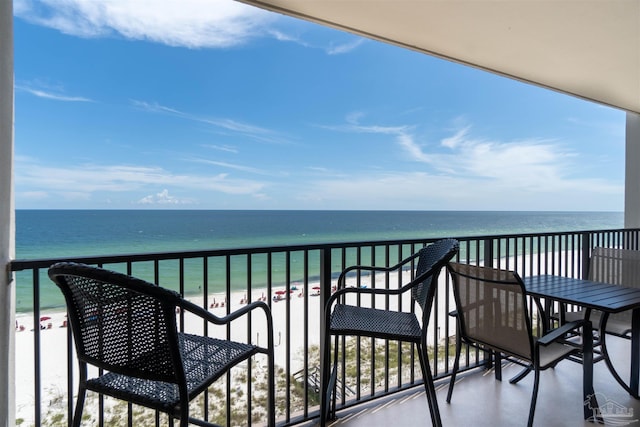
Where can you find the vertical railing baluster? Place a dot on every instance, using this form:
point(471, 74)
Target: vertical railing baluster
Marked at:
point(36, 347)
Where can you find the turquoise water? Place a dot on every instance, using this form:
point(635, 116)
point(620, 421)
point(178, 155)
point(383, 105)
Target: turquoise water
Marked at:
point(66, 233)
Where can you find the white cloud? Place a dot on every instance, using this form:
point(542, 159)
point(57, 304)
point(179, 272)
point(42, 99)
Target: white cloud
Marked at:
point(235, 167)
point(224, 148)
point(51, 94)
point(408, 144)
point(426, 191)
point(531, 163)
point(193, 24)
point(463, 172)
point(162, 198)
point(332, 49)
point(82, 181)
point(186, 23)
point(455, 140)
point(34, 195)
point(224, 124)
point(345, 47)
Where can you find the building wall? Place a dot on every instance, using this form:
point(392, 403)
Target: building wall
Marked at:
point(7, 219)
point(632, 172)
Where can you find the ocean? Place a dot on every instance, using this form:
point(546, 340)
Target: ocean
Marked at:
point(65, 233)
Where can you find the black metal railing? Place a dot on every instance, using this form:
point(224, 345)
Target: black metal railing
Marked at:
point(296, 281)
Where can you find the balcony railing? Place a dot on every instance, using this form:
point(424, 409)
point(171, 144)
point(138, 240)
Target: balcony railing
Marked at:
point(296, 281)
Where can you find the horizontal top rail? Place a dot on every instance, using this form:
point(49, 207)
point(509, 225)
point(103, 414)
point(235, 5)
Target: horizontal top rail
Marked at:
point(24, 264)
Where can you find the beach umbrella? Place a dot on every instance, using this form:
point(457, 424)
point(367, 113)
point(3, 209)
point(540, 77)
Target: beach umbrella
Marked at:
point(43, 325)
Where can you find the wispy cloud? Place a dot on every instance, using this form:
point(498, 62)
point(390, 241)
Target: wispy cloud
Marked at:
point(51, 94)
point(343, 48)
point(332, 49)
point(224, 148)
point(193, 24)
point(462, 171)
point(235, 167)
point(34, 178)
point(429, 191)
point(186, 23)
point(226, 124)
point(524, 161)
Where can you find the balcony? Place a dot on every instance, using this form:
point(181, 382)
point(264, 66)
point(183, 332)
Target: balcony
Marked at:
point(480, 400)
point(296, 280)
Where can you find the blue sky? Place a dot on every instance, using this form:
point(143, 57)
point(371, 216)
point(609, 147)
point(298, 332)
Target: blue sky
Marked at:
point(205, 104)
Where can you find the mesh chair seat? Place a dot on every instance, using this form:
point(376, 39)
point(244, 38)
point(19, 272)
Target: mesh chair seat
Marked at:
point(618, 324)
point(204, 359)
point(373, 322)
point(550, 354)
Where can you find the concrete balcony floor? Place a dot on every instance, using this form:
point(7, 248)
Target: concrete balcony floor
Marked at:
point(480, 400)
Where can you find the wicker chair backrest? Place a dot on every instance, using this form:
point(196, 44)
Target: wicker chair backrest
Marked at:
point(492, 308)
point(120, 323)
point(434, 256)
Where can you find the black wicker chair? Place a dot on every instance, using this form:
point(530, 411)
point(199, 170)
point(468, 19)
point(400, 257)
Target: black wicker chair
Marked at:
point(127, 327)
point(342, 319)
point(492, 315)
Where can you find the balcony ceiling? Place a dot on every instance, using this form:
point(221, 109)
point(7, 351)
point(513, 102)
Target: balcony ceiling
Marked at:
point(586, 48)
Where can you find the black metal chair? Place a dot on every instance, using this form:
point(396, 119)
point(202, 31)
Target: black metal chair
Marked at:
point(342, 319)
point(128, 328)
point(492, 315)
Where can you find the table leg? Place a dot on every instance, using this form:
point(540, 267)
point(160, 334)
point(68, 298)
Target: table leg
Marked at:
point(635, 352)
point(542, 311)
point(590, 403)
point(632, 387)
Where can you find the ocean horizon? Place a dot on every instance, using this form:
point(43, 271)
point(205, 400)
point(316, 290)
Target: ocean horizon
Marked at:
point(44, 234)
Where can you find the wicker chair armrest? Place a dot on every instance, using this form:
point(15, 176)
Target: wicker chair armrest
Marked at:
point(378, 291)
point(343, 275)
point(203, 313)
point(370, 291)
point(559, 332)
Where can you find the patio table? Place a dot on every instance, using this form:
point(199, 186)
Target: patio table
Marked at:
point(604, 297)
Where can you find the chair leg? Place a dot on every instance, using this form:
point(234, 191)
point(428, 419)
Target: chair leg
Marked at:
point(77, 415)
point(328, 380)
point(272, 388)
point(498, 365)
point(521, 375)
point(333, 382)
point(534, 396)
point(82, 391)
point(456, 366)
point(184, 410)
point(432, 400)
